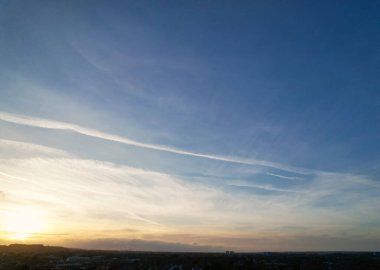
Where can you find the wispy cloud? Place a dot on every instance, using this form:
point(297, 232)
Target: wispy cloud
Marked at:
point(11, 148)
point(284, 176)
point(45, 123)
point(141, 245)
point(123, 192)
point(156, 204)
point(241, 183)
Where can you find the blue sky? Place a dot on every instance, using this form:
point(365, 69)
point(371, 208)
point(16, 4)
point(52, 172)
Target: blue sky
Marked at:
point(256, 120)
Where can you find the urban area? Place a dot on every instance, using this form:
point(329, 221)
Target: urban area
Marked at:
point(39, 257)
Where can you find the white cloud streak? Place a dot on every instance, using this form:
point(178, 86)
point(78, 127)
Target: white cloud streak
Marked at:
point(240, 183)
point(49, 124)
point(10, 148)
point(284, 177)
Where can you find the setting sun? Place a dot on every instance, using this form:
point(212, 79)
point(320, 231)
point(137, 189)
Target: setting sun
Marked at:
point(22, 223)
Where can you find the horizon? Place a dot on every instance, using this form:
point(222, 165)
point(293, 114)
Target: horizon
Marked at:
point(190, 126)
point(163, 251)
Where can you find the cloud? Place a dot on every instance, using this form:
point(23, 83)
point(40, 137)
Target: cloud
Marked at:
point(297, 241)
point(100, 199)
point(44, 123)
point(140, 245)
point(10, 148)
point(119, 193)
point(241, 183)
point(284, 177)
point(332, 243)
point(127, 195)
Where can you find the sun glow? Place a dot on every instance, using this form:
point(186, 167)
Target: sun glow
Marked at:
point(23, 223)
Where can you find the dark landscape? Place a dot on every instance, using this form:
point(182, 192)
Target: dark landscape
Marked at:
point(39, 257)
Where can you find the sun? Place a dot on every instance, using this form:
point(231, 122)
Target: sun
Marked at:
point(23, 222)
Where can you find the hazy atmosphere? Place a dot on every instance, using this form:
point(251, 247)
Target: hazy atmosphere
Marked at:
point(190, 125)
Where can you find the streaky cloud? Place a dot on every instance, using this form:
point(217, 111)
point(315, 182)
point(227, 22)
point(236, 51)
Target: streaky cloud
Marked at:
point(12, 146)
point(49, 124)
point(284, 177)
point(263, 187)
point(142, 245)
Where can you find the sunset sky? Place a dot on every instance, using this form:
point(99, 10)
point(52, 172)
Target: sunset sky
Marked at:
point(190, 125)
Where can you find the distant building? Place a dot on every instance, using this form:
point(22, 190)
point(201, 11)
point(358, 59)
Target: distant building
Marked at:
point(77, 259)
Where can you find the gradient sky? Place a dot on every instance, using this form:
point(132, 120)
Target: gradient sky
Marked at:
point(190, 125)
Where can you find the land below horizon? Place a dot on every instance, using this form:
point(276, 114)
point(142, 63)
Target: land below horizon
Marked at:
point(38, 256)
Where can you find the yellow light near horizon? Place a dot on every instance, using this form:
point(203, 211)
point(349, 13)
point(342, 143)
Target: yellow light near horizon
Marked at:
point(22, 223)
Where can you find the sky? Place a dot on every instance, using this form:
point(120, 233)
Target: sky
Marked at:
point(190, 125)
